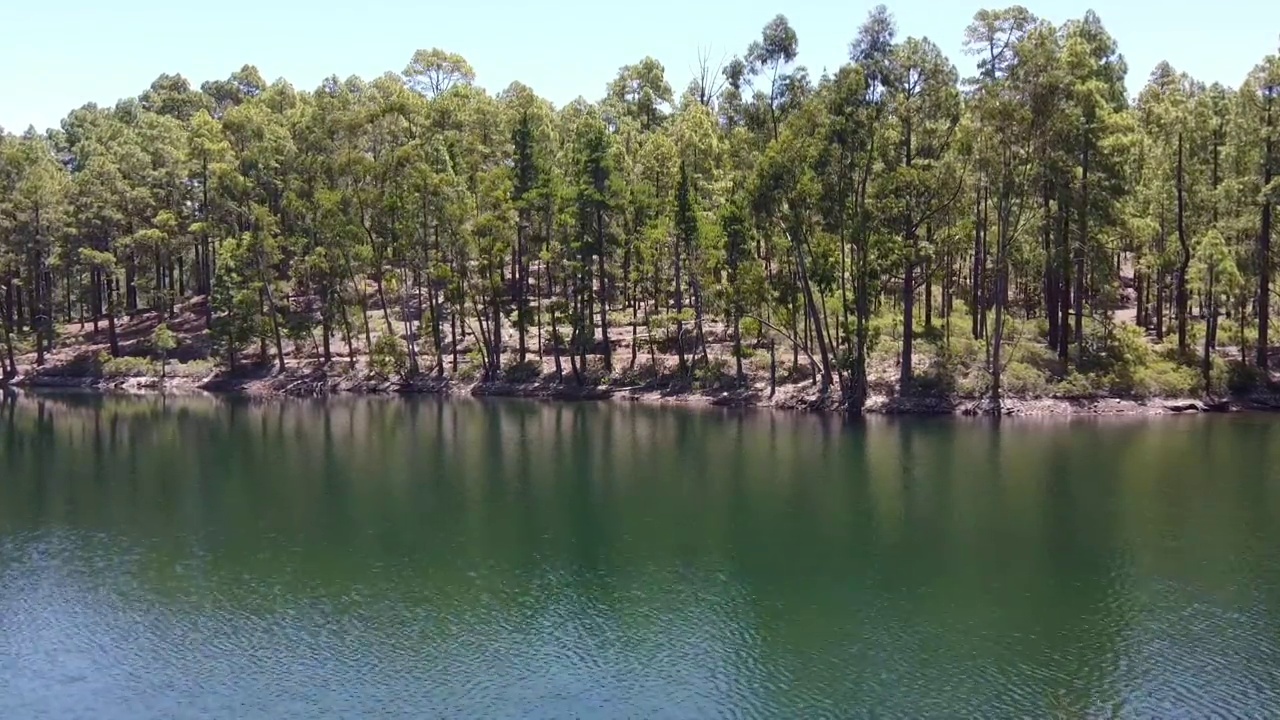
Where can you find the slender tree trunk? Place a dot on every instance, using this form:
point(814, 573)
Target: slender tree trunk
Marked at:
point(908, 334)
point(1160, 283)
point(1264, 249)
point(1080, 250)
point(807, 288)
point(555, 333)
point(1184, 262)
point(679, 288)
point(975, 302)
point(326, 325)
point(130, 285)
point(1050, 282)
point(604, 293)
point(6, 325)
point(697, 319)
point(112, 339)
point(844, 276)
point(522, 309)
point(928, 294)
point(1206, 364)
point(382, 301)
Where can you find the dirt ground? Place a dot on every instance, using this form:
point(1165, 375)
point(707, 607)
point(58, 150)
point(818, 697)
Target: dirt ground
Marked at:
point(641, 373)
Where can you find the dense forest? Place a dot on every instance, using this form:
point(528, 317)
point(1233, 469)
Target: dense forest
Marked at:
point(1022, 227)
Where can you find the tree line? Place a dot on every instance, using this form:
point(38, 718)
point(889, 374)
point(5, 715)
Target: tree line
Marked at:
point(1028, 200)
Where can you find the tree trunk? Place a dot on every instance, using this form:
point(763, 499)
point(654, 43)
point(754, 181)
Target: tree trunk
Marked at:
point(807, 287)
point(6, 324)
point(112, 339)
point(130, 285)
point(908, 307)
point(522, 310)
point(604, 294)
point(382, 301)
point(976, 283)
point(1206, 364)
point(275, 325)
point(1264, 251)
point(679, 288)
point(1184, 261)
point(1080, 250)
point(1050, 267)
point(326, 323)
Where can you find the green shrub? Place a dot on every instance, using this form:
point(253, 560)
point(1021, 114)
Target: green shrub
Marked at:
point(931, 334)
point(1036, 355)
point(389, 357)
point(1039, 326)
point(1025, 381)
point(163, 340)
point(718, 374)
point(1120, 352)
point(964, 351)
point(974, 383)
point(129, 367)
point(522, 372)
point(1243, 378)
point(625, 376)
point(1079, 387)
point(191, 369)
point(1161, 379)
point(468, 372)
point(935, 382)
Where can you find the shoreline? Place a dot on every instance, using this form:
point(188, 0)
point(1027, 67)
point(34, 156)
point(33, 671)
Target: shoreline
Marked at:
point(792, 398)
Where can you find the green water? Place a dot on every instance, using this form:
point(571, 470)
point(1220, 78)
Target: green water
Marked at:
point(392, 558)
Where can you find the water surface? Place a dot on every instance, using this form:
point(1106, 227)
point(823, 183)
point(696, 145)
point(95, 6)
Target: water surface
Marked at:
point(193, 558)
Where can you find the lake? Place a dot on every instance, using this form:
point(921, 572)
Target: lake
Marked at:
point(197, 558)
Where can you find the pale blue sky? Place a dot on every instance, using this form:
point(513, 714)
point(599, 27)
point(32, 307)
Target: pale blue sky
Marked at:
point(60, 54)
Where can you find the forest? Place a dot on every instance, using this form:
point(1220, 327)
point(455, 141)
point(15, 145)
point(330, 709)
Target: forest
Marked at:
point(1023, 227)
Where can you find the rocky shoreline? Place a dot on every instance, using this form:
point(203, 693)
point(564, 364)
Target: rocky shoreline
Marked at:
point(788, 397)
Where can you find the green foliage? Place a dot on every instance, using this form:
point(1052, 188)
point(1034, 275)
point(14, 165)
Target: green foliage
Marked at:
point(938, 381)
point(389, 357)
point(717, 375)
point(194, 369)
point(418, 205)
point(1024, 381)
point(129, 367)
point(163, 339)
point(1161, 379)
point(522, 372)
point(1243, 379)
point(1076, 386)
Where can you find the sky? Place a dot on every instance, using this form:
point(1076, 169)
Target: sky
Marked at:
point(58, 55)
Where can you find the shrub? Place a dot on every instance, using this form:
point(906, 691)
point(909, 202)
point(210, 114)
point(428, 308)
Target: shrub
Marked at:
point(1120, 352)
point(964, 351)
point(1161, 379)
point(1025, 381)
point(468, 372)
point(1079, 387)
point(1040, 326)
point(522, 372)
point(931, 334)
point(389, 357)
point(129, 367)
point(192, 369)
point(936, 382)
point(1243, 378)
point(717, 374)
point(974, 383)
point(625, 376)
point(163, 340)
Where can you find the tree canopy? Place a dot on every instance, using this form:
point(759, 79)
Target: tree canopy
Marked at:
point(1023, 226)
